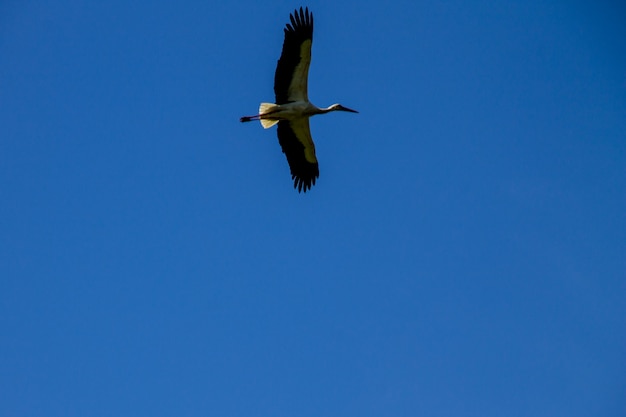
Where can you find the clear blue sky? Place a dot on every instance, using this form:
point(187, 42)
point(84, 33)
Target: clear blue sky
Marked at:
point(462, 254)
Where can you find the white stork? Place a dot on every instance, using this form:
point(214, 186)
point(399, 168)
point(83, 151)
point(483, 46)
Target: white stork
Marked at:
point(293, 108)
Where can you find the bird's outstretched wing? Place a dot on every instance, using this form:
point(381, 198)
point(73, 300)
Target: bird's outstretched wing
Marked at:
point(292, 71)
point(295, 139)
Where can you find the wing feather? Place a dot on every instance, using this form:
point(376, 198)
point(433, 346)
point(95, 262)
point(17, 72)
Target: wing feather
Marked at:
point(292, 70)
point(295, 140)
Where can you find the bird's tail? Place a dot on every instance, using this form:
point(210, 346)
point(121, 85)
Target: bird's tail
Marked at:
point(265, 108)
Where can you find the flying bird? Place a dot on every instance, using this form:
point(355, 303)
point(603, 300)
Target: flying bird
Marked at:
point(292, 108)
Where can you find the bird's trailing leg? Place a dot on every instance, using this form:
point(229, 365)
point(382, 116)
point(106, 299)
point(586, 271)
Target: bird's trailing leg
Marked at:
point(249, 118)
point(265, 115)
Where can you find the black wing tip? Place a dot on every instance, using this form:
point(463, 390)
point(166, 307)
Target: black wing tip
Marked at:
point(303, 184)
point(302, 18)
point(302, 15)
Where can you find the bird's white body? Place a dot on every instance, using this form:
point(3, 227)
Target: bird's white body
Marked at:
point(270, 113)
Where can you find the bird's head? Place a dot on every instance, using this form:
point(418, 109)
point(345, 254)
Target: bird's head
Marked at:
point(339, 107)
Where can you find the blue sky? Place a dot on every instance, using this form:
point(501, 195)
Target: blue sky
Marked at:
point(462, 254)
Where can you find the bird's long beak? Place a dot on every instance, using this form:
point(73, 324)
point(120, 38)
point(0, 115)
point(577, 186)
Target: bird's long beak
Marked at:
point(343, 108)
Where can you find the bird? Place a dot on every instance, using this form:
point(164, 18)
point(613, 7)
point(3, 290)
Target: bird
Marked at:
point(292, 109)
